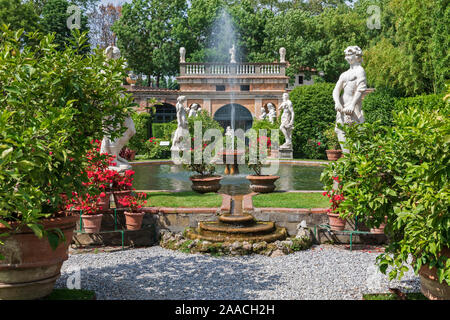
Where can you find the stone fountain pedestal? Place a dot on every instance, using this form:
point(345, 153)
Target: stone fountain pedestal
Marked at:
point(237, 226)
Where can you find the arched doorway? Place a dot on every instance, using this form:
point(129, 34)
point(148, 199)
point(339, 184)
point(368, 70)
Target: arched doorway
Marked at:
point(234, 115)
point(164, 113)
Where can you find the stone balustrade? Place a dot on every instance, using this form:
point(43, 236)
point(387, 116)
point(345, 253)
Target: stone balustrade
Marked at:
point(239, 69)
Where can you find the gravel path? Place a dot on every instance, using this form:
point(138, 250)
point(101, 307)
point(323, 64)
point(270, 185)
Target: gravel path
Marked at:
point(323, 272)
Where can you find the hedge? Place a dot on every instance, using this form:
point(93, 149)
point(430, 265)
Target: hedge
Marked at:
point(379, 105)
point(164, 130)
point(314, 113)
point(141, 121)
point(424, 102)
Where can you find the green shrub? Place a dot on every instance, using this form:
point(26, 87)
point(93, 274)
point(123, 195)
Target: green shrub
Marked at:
point(164, 130)
point(314, 113)
point(267, 125)
point(153, 149)
point(53, 103)
point(141, 122)
point(428, 102)
point(401, 172)
point(332, 141)
point(379, 105)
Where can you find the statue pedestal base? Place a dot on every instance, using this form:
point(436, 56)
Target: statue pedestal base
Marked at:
point(286, 153)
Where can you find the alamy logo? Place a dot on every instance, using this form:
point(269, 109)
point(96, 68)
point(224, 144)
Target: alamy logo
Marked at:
point(374, 21)
point(74, 279)
point(74, 20)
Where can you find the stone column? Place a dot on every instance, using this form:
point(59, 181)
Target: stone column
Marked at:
point(258, 105)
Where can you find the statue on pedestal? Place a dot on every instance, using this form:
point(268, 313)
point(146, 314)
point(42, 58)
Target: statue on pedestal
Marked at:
point(233, 54)
point(287, 121)
point(353, 82)
point(179, 141)
point(182, 55)
point(194, 110)
point(263, 113)
point(272, 112)
point(113, 147)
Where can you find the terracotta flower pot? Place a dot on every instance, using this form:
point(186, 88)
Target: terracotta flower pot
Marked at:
point(119, 195)
point(333, 155)
point(380, 229)
point(262, 184)
point(92, 222)
point(31, 266)
point(104, 201)
point(202, 184)
point(429, 283)
point(336, 223)
point(133, 220)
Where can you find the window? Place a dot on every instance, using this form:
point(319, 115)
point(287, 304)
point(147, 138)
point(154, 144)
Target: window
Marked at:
point(300, 79)
point(220, 87)
point(245, 87)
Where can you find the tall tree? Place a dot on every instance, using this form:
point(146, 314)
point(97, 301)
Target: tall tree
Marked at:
point(19, 15)
point(413, 55)
point(57, 19)
point(101, 21)
point(149, 35)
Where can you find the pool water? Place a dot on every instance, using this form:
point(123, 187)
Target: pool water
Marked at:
point(174, 177)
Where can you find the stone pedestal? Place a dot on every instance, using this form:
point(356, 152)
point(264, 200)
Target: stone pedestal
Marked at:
point(286, 154)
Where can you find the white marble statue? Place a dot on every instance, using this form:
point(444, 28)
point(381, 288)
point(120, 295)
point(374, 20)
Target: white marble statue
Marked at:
point(287, 121)
point(263, 113)
point(282, 55)
point(272, 112)
point(182, 55)
point(113, 147)
point(179, 141)
point(353, 83)
point(233, 54)
point(229, 132)
point(194, 110)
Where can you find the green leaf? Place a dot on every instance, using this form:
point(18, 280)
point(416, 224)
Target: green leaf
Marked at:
point(6, 152)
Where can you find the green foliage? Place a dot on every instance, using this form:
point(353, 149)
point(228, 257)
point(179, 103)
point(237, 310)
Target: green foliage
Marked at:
point(55, 18)
point(401, 172)
point(19, 15)
point(141, 122)
point(314, 113)
point(153, 150)
point(332, 139)
point(207, 122)
point(379, 105)
point(53, 103)
point(428, 102)
point(150, 34)
point(164, 130)
point(412, 54)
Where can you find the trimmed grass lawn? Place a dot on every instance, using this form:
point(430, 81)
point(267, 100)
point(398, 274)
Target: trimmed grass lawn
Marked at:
point(70, 294)
point(290, 200)
point(184, 199)
point(391, 296)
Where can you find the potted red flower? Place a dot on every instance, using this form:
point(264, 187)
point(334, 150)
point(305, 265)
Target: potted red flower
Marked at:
point(134, 217)
point(333, 151)
point(89, 209)
point(336, 197)
point(122, 186)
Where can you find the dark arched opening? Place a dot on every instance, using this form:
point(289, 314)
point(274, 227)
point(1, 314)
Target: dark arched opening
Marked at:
point(234, 115)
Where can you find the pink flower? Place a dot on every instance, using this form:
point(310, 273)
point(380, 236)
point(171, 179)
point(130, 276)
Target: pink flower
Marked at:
point(318, 143)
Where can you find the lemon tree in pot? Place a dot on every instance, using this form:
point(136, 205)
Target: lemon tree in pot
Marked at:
point(401, 172)
point(54, 101)
point(259, 182)
point(333, 151)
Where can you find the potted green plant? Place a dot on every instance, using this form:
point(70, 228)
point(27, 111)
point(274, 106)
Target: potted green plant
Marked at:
point(400, 172)
point(261, 183)
point(333, 152)
point(205, 180)
point(134, 217)
point(54, 100)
